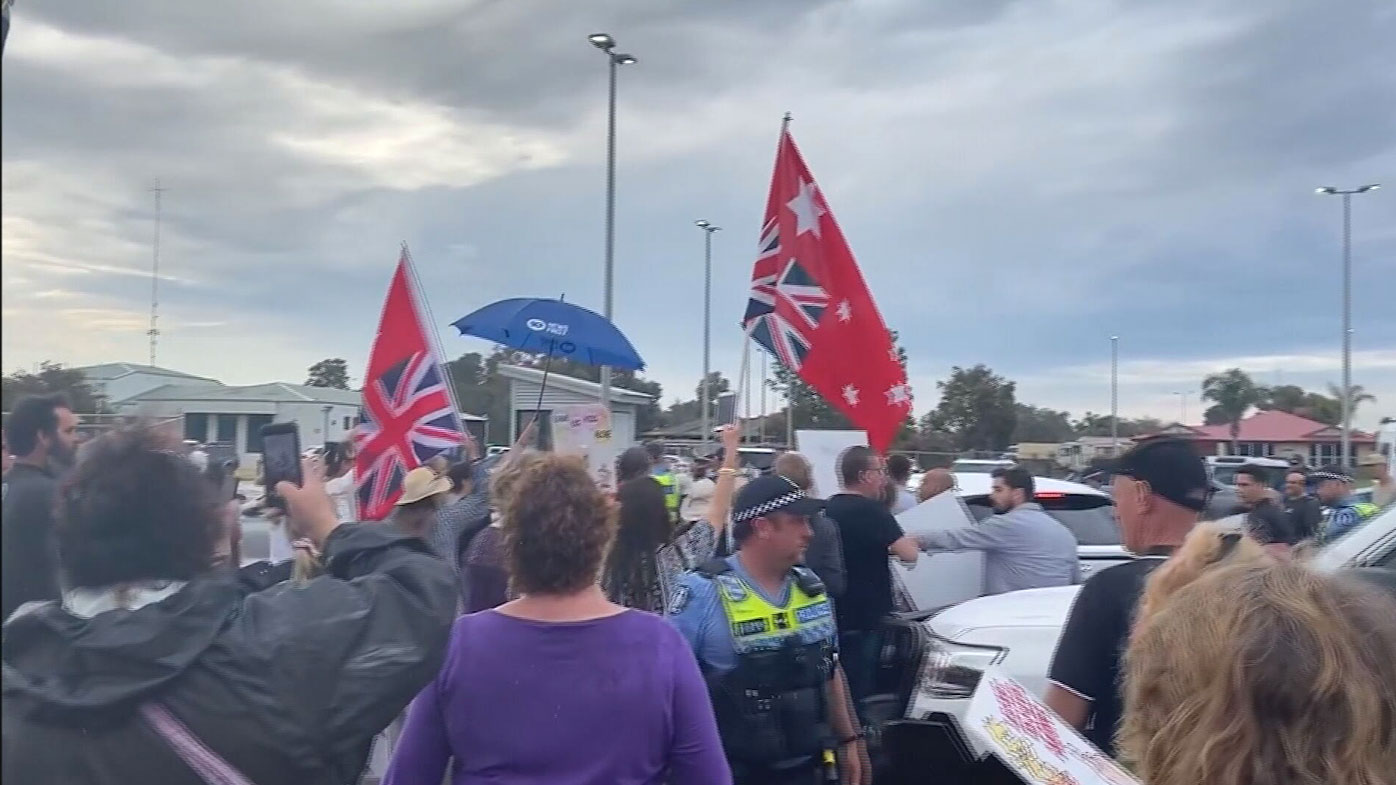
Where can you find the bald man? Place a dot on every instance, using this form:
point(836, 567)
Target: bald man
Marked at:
point(934, 483)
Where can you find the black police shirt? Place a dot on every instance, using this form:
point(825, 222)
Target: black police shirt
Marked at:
point(1087, 661)
point(867, 529)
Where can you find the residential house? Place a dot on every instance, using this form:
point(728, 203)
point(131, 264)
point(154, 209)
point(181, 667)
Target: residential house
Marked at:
point(1078, 455)
point(1275, 434)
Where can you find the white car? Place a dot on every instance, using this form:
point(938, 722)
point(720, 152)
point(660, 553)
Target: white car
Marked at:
point(973, 466)
point(1018, 631)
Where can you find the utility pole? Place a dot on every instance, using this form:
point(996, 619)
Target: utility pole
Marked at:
point(154, 331)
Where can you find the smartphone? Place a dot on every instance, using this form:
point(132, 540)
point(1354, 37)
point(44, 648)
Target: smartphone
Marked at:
point(281, 459)
point(230, 482)
point(726, 408)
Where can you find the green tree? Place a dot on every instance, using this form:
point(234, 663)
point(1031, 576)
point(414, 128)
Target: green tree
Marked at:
point(1036, 424)
point(329, 373)
point(1285, 398)
point(977, 407)
point(1234, 393)
point(1357, 396)
point(811, 410)
point(52, 378)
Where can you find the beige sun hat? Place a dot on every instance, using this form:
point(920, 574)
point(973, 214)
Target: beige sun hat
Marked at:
point(421, 483)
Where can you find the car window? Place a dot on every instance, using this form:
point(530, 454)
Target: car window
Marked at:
point(1090, 518)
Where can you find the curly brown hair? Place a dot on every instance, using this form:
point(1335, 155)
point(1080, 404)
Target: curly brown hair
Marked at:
point(557, 527)
point(1264, 673)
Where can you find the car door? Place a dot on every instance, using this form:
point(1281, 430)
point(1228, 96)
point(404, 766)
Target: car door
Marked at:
point(945, 578)
point(1089, 517)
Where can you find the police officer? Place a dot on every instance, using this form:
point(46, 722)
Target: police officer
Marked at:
point(1334, 493)
point(662, 474)
point(763, 630)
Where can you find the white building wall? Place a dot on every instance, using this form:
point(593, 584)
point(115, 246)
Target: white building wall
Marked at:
point(311, 419)
point(524, 397)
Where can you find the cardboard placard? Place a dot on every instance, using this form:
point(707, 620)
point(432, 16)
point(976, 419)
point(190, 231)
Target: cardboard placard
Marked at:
point(585, 429)
point(1022, 732)
point(822, 449)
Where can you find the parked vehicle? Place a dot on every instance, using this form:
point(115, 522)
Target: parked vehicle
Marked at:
point(1223, 469)
point(974, 466)
point(934, 659)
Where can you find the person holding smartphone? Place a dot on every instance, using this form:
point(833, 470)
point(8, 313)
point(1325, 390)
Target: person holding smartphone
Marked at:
point(156, 667)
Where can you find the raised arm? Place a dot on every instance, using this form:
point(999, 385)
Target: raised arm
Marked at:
point(721, 507)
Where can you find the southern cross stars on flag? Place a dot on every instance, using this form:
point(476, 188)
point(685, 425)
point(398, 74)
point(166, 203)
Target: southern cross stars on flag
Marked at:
point(810, 307)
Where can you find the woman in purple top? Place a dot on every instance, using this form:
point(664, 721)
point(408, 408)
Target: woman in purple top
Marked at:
point(561, 686)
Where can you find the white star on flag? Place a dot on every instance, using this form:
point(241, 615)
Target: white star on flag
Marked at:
point(806, 211)
point(850, 394)
point(845, 311)
point(899, 394)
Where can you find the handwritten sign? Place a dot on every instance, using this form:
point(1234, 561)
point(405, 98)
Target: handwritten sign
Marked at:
point(585, 429)
point(1033, 740)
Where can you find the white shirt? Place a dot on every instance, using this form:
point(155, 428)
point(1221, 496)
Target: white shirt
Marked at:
point(341, 491)
point(700, 496)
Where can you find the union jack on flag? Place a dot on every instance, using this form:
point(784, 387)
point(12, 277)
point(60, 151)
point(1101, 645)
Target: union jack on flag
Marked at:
point(408, 415)
point(407, 420)
point(786, 303)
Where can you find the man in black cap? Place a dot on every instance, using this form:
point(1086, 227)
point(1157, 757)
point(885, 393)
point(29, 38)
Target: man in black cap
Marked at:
point(762, 628)
point(1160, 489)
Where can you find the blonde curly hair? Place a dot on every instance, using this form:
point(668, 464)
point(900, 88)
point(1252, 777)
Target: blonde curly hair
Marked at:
point(1259, 673)
point(1207, 547)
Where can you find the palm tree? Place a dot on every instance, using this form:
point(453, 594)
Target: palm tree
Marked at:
point(1356, 396)
point(1234, 393)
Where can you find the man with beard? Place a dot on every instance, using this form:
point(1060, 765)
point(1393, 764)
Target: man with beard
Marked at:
point(42, 432)
point(1024, 547)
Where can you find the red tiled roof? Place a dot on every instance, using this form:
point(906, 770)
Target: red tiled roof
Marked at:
point(1276, 426)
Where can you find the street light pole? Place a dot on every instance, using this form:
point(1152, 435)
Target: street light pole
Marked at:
point(1183, 403)
point(706, 393)
point(607, 45)
point(1115, 396)
point(1347, 309)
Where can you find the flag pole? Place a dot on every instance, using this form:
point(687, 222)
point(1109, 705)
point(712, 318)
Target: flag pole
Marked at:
point(419, 299)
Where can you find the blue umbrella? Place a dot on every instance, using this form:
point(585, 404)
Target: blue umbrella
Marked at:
point(553, 328)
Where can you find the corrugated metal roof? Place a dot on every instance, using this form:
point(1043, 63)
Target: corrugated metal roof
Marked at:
point(273, 392)
point(109, 371)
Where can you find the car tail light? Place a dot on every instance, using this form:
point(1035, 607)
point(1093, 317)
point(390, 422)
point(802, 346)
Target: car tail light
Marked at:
point(1050, 495)
point(953, 670)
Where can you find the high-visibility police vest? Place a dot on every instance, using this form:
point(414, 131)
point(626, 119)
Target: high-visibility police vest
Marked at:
point(671, 491)
point(771, 708)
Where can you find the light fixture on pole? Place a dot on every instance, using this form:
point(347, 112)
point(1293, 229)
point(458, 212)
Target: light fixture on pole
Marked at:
point(1347, 308)
point(1114, 396)
point(607, 45)
point(706, 394)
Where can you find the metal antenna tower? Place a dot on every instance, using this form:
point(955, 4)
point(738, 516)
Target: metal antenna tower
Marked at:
point(154, 331)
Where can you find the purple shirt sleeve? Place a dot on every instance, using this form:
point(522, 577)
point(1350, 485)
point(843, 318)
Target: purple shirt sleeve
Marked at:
point(696, 757)
point(423, 750)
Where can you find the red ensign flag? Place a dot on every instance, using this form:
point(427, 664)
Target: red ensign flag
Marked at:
point(811, 308)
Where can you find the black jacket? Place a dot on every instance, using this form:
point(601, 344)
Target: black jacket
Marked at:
point(29, 572)
point(288, 684)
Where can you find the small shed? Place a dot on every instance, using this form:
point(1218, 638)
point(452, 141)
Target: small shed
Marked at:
point(524, 384)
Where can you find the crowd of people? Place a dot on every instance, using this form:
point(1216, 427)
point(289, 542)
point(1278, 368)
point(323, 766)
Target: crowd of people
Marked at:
point(511, 622)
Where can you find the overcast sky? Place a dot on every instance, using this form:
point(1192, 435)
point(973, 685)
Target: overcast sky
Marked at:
point(1019, 180)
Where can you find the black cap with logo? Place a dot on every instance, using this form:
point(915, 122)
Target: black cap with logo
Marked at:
point(1173, 470)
